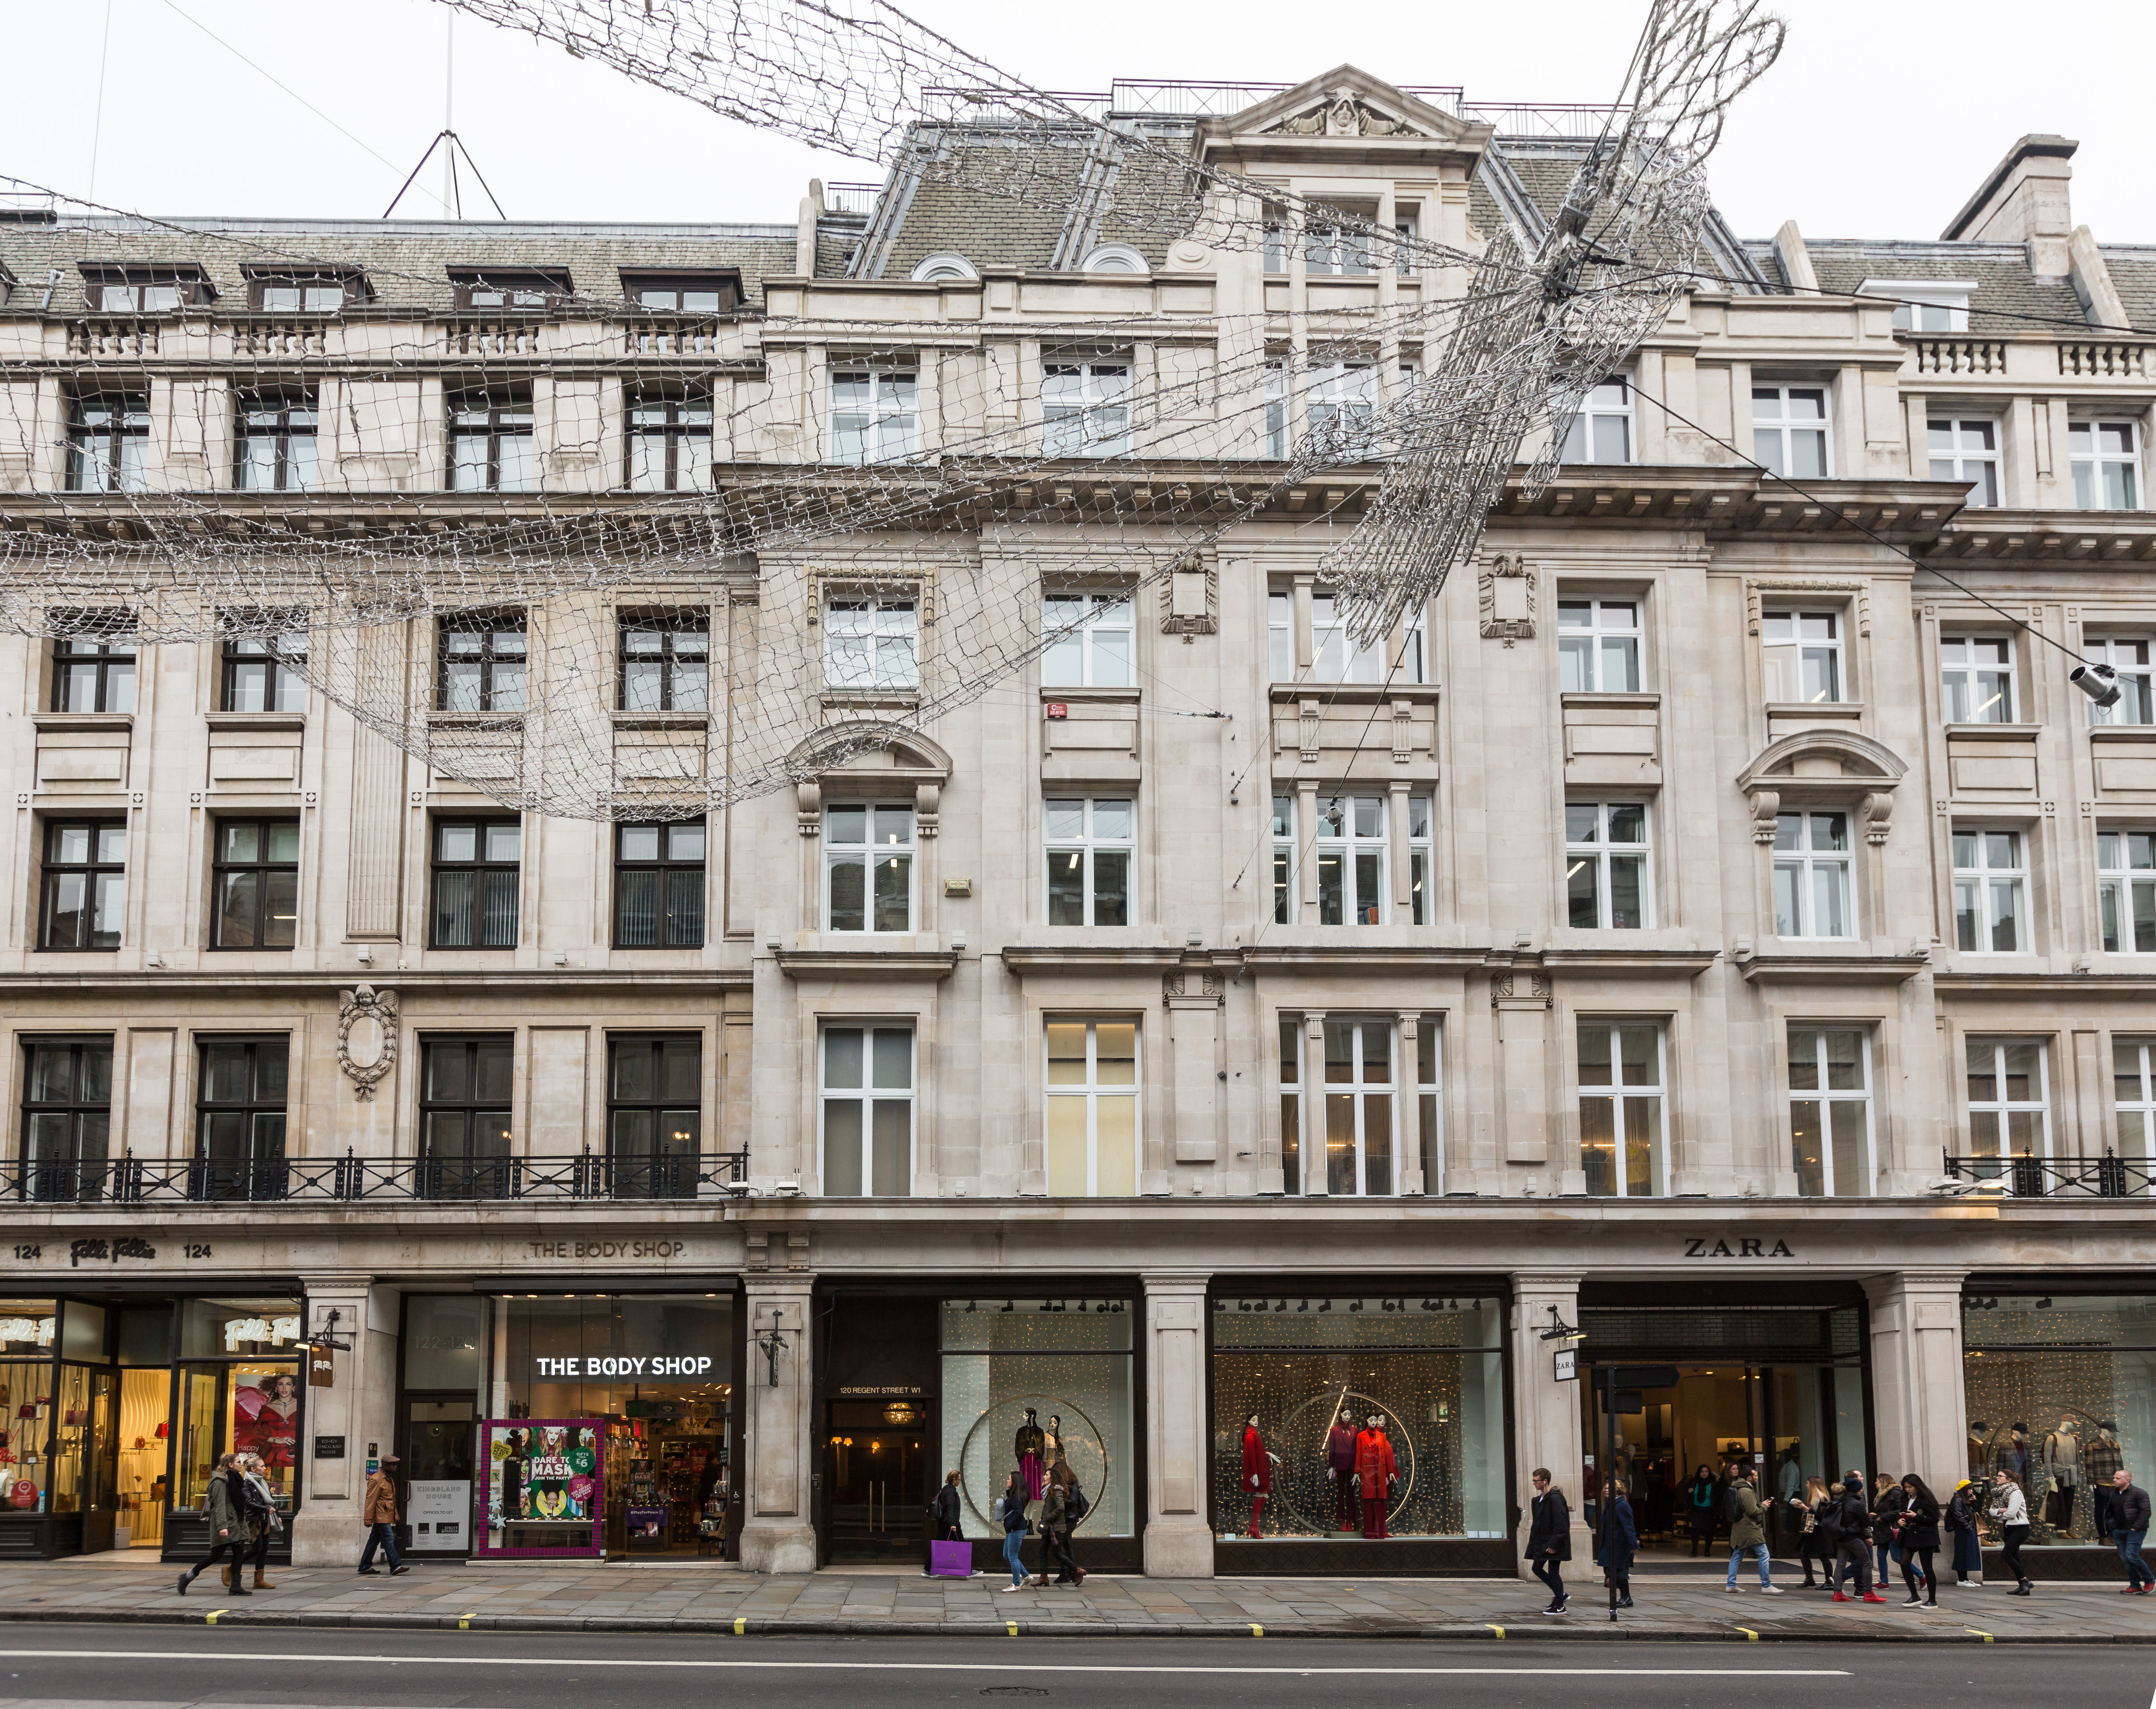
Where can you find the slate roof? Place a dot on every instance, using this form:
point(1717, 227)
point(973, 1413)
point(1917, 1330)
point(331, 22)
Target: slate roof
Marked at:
point(2132, 268)
point(2008, 297)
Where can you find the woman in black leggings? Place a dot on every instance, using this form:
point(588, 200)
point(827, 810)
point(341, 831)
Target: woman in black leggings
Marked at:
point(1917, 1528)
point(2010, 1510)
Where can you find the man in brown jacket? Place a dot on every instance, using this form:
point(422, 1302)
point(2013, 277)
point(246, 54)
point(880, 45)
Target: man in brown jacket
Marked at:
point(377, 1512)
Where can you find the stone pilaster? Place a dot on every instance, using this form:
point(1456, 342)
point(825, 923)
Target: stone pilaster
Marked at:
point(359, 1407)
point(778, 1531)
point(1919, 1403)
point(1546, 1411)
point(1178, 1536)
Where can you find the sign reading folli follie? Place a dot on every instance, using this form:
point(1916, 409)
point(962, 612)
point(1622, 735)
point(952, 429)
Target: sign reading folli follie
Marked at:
point(321, 1367)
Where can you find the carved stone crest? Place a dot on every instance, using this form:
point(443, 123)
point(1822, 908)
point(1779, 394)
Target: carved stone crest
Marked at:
point(1506, 590)
point(1190, 598)
point(366, 1037)
point(1342, 116)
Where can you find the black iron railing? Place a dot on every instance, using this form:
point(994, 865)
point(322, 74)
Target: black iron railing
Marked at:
point(586, 1176)
point(2107, 1177)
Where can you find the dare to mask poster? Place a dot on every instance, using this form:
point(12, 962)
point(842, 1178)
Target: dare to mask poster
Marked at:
point(543, 1486)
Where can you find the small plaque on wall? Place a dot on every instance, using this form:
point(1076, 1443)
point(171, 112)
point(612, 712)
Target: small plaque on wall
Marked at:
point(329, 1447)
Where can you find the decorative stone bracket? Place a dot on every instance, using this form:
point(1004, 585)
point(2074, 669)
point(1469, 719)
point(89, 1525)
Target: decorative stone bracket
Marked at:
point(366, 1037)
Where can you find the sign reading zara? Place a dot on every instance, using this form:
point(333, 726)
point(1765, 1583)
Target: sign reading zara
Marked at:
point(1747, 1246)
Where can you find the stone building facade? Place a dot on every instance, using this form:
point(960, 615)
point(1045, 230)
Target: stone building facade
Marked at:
point(1718, 928)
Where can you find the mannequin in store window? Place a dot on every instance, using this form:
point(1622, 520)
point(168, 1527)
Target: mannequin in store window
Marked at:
point(1257, 1473)
point(1340, 1468)
point(1377, 1472)
point(1031, 1445)
point(2063, 1464)
point(2101, 1456)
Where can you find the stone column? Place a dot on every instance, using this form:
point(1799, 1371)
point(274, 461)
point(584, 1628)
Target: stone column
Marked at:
point(1547, 1411)
point(1919, 1407)
point(1178, 1536)
point(779, 1532)
point(359, 1409)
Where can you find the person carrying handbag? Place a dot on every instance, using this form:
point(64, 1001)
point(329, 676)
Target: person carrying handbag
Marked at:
point(261, 1517)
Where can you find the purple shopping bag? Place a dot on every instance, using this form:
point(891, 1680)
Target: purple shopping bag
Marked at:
point(951, 1560)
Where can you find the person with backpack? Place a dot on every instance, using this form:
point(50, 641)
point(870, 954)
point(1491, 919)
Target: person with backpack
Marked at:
point(225, 1508)
point(1010, 1514)
point(2010, 1508)
point(1961, 1525)
point(1748, 1530)
point(1700, 1500)
point(1850, 1524)
point(1917, 1533)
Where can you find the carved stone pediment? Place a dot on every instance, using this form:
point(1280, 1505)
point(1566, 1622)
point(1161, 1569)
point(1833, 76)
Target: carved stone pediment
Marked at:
point(1341, 113)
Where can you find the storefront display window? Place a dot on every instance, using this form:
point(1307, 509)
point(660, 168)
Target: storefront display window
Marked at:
point(545, 1489)
point(2061, 1393)
point(241, 1391)
point(1314, 1371)
point(1023, 1377)
point(27, 1330)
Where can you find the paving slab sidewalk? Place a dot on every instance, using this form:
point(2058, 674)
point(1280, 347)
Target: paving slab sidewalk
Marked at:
point(722, 1602)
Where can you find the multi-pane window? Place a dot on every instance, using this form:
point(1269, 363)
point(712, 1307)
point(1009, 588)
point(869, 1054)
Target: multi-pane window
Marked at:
point(490, 445)
point(85, 885)
point(257, 880)
point(143, 296)
point(1330, 247)
point(480, 662)
point(2107, 463)
point(94, 673)
point(1280, 634)
point(1801, 653)
point(875, 414)
point(1290, 1104)
point(1339, 400)
point(2125, 886)
point(508, 290)
point(1966, 448)
point(67, 1116)
point(1351, 851)
point(1598, 646)
point(1284, 858)
point(296, 294)
point(666, 662)
point(478, 873)
point(867, 1110)
point(2009, 1098)
point(1361, 1108)
point(266, 673)
point(655, 1099)
point(1334, 657)
point(1811, 876)
point(871, 641)
point(700, 296)
point(1089, 637)
point(1607, 881)
point(1601, 430)
point(1939, 312)
point(1976, 678)
point(1621, 1114)
point(274, 450)
point(659, 885)
point(1089, 844)
point(1092, 1115)
point(109, 442)
point(464, 1130)
point(1085, 408)
point(669, 443)
point(1790, 430)
point(868, 866)
point(1422, 861)
point(2131, 657)
point(1831, 1112)
point(1430, 1104)
point(1990, 883)
point(2134, 1091)
point(1276, 410)
point(239, 1119)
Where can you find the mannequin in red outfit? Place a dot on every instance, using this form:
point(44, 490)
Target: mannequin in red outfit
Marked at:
point(1257, 1473)
point(1377, 1472)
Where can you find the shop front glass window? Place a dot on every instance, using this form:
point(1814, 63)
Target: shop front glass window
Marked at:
point(26, 1331)
point(241, 1391)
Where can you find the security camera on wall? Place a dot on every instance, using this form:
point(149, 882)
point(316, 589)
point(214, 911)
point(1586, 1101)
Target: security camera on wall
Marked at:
point(2099, 682)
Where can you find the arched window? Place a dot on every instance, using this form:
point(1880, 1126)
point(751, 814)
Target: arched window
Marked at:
point(944, 266)
point(1115, 258)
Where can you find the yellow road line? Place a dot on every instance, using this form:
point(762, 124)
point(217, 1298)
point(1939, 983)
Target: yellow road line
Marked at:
point(210, 1618)
point(1499, 1631)
point(1257, 1631)
point(741, 1625)
point(1986, 1636)
point(1749, 1633)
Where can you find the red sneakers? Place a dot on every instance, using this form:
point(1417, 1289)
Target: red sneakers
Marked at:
point(1839, 1597)
point(1869, 1597)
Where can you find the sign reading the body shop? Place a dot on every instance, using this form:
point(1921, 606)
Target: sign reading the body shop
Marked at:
point(632, 1366)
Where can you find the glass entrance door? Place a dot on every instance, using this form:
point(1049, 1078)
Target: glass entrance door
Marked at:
point(875, 1471)
point(100, 1505)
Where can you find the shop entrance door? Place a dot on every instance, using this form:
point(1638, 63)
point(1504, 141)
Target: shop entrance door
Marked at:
point(876, 1471)
point(101, 1464)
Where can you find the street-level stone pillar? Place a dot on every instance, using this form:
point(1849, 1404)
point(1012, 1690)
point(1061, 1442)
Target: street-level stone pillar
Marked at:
point(1918, 1401)
point(355, 1413)
point(1547, 1410)
point(1179, 1537)
point(778, 1531)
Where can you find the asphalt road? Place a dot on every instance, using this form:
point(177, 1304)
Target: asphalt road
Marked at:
point(87, 1667)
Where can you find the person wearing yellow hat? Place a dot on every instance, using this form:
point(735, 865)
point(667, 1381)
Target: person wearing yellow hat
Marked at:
point(1961, 1524)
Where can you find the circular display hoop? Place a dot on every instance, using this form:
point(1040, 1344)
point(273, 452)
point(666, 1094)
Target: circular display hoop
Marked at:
point(1402, 1444)
point(1064, 1410)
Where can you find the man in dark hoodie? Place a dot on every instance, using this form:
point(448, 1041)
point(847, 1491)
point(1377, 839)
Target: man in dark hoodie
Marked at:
point(1852, 1549)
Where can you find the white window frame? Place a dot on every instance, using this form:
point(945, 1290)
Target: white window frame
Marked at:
point(878, 621)
point(1602, 851)
point(1286, 861)
point(1580, 434)
point(2092, 464)
point(1086, 845)
point(1622, 621)
point(1332, 249)
point(1331, 659)
point(867, 854)
point(2140, 1111)
point(1114, 258)
point(1281, 634)
point(1956, 451)
point(887, 426)
point(2003, 1108)
point(1797, 854)
point(1422, 860)
point(1430, 1103)
point(1616, 1091)
point(1979, 884)
point(1094, 1092)
point(1961, 680)
point(1825, 1097)
point(868, 1095)
point(1276, 409)
point(2121, 884)
point(1772, 432)
point(1790, 645)
point(1930, 307)
point(1091, 417)
point(943, 267)
point(1358, 1090)
point(1078, 637)
point(1349, 848)
point(1291, 1087)
point(2133, 657)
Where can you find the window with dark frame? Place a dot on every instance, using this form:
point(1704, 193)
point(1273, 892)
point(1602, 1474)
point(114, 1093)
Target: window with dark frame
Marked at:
point(490, 445)
point(477, 876)
point(144, 291)
point(262, 673)
point(274, 447)
point(659, 885)
point(109, 442)
point(256, 874)
point(667, 662)
point(480, 662)
point(303, 293)
point(655, 1099)
point(94, 673)
point(526, 290)
point(683, 293)
point(85, 885)
point(67, 1116)
point(239, 1119)
point(670, 442)
point(465, 1131)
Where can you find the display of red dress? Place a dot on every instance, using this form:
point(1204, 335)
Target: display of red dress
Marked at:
point(1376, 1470)
point(1257, 1475)
point(1340, 1458)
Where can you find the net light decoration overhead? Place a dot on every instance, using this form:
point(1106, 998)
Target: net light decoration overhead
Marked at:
point(1511, 339)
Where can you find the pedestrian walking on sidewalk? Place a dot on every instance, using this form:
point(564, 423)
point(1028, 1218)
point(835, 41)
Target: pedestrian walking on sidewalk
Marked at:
point(1850, 1523)
point(1961, 1525)
point(1748, 1528)
point(1885, 1516)
point(377, 1512)
point(261, 1516)
point(1549, 1538)
point(1010, 1510)
point(2009, 1508)
point(226, 1509)
point(1620, 1543)
point(1813, 1548)
point(1918, 1536)
point(1702, 1497)
point(2129, 1530)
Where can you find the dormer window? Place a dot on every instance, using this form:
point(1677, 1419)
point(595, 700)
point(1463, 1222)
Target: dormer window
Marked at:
point(936, 269)
point(683, 293)
point(305, 293)
point(1928, 305)
point(1114, 258)
point(528, 291)
point(146, 290)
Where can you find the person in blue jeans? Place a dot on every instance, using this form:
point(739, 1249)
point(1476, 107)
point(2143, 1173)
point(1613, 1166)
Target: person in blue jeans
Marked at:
point(1015, 1530)
point(1747, 1531)
point(2129, 1529)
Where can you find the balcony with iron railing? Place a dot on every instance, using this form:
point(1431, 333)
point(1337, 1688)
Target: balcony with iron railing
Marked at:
point(2107, 1177)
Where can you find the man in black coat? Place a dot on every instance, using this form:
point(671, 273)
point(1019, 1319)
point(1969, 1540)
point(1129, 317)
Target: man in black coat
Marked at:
point(2129, 1526)
point(1549, 1539)
point(1851, 1524)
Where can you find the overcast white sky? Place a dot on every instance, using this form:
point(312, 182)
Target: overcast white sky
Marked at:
point(1879, 120)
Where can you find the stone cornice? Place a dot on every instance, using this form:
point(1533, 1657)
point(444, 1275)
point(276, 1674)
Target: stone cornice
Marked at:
point(162, 982)
point(2070, 539)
